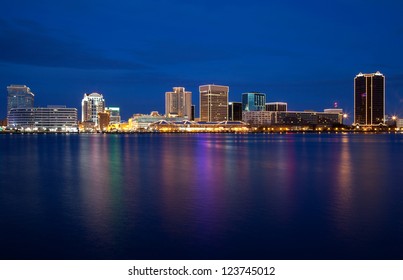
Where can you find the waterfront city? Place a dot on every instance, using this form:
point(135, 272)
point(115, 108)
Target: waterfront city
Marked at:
point(223, 138)
point(253, 113)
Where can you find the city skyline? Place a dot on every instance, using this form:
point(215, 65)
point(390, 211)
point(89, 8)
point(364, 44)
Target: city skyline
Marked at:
point(179, 101)
point(350, 112)
point(300, 53)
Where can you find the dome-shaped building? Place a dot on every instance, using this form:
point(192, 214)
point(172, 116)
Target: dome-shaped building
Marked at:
point(91, 105)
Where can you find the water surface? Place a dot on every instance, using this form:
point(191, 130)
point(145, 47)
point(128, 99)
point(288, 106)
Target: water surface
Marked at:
point(201, 196)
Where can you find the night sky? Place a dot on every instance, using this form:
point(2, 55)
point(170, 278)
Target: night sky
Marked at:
point(306, 53)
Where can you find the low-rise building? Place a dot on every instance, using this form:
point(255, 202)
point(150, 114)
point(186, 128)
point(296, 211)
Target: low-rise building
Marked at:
point(309, 118)
point(257, 118)
point(51, 118)
point(276, 106)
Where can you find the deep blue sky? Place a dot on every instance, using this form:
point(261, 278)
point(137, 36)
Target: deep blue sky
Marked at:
point(305, 53)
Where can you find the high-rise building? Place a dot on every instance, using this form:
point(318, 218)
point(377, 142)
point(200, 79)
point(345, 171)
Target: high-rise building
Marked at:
point(91, 105)
point(235, 111)
point(369, 99)
point(19, 96)
point(213, 103)
point(253, 101)
point(276, 106)
point(178, 103)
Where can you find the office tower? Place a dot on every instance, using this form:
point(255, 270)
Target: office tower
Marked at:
point(276, 106)
point(369, 99)
point(19, 97)
point(235, 111)
point(91, 105)
point(253, 101)
point(178, 103)
point(114, 114)
point(213, 103)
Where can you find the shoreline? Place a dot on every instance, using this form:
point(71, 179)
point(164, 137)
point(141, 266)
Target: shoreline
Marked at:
point(343, 132)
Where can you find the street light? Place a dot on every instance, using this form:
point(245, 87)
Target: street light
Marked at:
point(345, 116)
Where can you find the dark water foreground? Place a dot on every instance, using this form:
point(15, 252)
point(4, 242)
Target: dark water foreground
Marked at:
point(203, 196)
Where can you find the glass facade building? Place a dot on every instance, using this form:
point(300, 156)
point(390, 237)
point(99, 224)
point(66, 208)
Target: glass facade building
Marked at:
point(19, 96)
point(369, 99)
point(254, 101)
point(213, 103)
point(192, 117)
point(235, 111)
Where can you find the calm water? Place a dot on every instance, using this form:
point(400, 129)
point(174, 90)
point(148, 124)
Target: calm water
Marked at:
point(205, 196)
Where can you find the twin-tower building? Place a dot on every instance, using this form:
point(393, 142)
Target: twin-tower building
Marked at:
point(369, 99)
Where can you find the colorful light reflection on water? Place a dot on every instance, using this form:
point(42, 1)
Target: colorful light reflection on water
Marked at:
point(201, 196)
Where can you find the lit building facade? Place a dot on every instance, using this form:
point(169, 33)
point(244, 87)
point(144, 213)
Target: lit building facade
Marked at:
point(276, 106)
point(114, 114)
point(103, 120)
point(337, 111)
point(141, 122)
point(254, 101)
point(399, 124)
point(191, 126)
point(91, 105)
point(307, 118)
point(257, 118)
point(51, 118)
point(213, 103)
point(369, 99)
point(291, 118)
point(19, 96)
point(178, 103)
point(235, 111)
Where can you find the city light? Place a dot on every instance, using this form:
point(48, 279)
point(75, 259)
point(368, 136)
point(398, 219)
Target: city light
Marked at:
point(215, 109)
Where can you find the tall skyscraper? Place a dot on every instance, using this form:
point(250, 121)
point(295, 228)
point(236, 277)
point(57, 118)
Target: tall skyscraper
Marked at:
point(213, 103)
point(91, 105)
point(178, 103)
point(253, 101)
point(19, 96)
point(369, 99)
